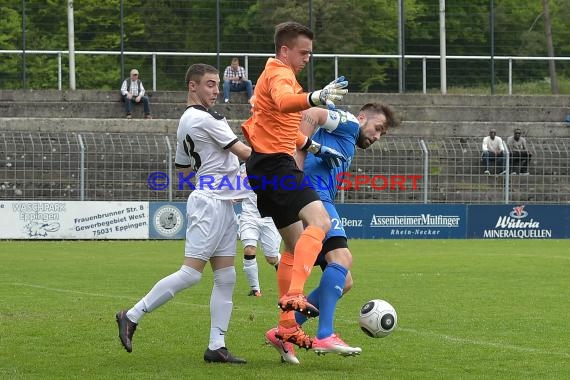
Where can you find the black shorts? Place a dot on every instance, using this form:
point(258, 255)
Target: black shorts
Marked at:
point(330, 244)
point(281, 188)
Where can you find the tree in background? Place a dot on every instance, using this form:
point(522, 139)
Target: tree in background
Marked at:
point(10, 36)
point(246, 26)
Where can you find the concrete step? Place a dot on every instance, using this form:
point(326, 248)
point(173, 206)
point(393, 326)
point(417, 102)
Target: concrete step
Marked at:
point(481, 128)
point(411, 107)
point(107, 125)
point(511, 101)
point(86, 109)
point(115, 109)
point(484, 113)
point(470, 131)
point(351, 98)
point(36, 96)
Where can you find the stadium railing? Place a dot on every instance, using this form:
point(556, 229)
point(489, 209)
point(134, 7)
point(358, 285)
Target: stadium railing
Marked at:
point(120, 166)
point(424, 59)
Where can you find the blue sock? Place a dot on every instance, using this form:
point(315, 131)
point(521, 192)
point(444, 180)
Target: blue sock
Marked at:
point(331, 287)
point(313, 298)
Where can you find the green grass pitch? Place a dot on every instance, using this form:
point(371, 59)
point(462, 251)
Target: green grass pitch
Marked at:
point(467, 309)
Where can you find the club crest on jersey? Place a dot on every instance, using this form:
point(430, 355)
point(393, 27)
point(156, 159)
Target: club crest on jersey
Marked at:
point(335, 114)
point(215, 114)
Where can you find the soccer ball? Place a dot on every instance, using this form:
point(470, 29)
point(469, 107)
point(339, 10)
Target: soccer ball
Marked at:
point(377, 318)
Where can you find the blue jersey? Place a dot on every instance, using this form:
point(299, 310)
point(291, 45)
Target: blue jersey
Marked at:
point(324, 178)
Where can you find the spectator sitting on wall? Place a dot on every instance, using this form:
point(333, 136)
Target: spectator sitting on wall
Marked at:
point(493, 151)
point(133, 91)
point(235, 80)
point(520, 155)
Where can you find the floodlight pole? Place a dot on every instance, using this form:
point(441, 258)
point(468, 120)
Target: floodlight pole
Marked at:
point(218, 63)
point(401, 48)
point(122, 15)
point(71, 43)
point(492, 37)
point(442, 48)
point(311, 64)
point(24, 44)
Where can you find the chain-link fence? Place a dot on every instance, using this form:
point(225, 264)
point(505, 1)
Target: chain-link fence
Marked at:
point(485, 38)
point(117, 166)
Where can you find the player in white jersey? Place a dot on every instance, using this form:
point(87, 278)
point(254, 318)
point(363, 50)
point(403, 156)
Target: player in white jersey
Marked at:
point(207, 145)
point(253, 229)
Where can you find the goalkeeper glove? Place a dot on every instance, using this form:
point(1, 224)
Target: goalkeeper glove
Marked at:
point(333, 91)
point(331, 156)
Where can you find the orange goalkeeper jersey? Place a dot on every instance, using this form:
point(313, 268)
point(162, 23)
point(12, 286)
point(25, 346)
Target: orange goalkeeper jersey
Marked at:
point(279, 99)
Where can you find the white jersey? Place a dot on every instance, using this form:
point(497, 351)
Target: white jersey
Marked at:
point(203, 141)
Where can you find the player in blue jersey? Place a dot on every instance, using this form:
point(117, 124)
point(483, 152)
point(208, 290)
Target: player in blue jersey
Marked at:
point(335, 259)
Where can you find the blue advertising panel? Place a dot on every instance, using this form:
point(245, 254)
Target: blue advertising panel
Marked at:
point(420, 221)
point(519, 221)
point(167, 220)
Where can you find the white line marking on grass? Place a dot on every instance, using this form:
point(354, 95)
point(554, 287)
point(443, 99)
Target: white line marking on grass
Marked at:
point(66, 290)
point(59, 290)
point(442, 337)
point(501, 346)
point(528, 255)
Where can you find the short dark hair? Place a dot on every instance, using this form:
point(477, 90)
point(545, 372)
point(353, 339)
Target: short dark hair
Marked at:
point(196, 72)
point(287, 31)
point(517, 130)
point(392, 120)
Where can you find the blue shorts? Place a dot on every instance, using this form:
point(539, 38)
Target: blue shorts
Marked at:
point(336, 223)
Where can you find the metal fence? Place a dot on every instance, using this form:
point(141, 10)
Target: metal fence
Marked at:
point(117, 166)
point(423, 69)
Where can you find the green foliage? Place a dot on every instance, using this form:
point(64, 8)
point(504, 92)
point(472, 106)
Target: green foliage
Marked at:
point(10, 26)
point(467, 309)
point(10, 64)
point(538, 87)
point(247, 26)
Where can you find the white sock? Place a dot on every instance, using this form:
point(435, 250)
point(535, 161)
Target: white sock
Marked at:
point(221, 306)
point(163, 291)
point(251, 272)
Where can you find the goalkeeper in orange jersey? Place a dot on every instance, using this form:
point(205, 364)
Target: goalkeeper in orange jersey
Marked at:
point(274, 135)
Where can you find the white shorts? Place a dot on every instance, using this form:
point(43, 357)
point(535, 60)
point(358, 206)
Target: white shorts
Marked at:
point(252, 230)
point(212, 227)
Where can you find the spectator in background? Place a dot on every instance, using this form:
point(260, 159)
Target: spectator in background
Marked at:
point(493, 151)
point(133, 91)
point(235, 80)
point(520, 155)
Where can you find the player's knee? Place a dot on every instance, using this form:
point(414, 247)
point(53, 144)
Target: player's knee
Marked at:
point(185, 277)
point(225, 276)
point(249, 250)
point(315, 214)
point(324, 222)
point(327, 224)
point(272, 260)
